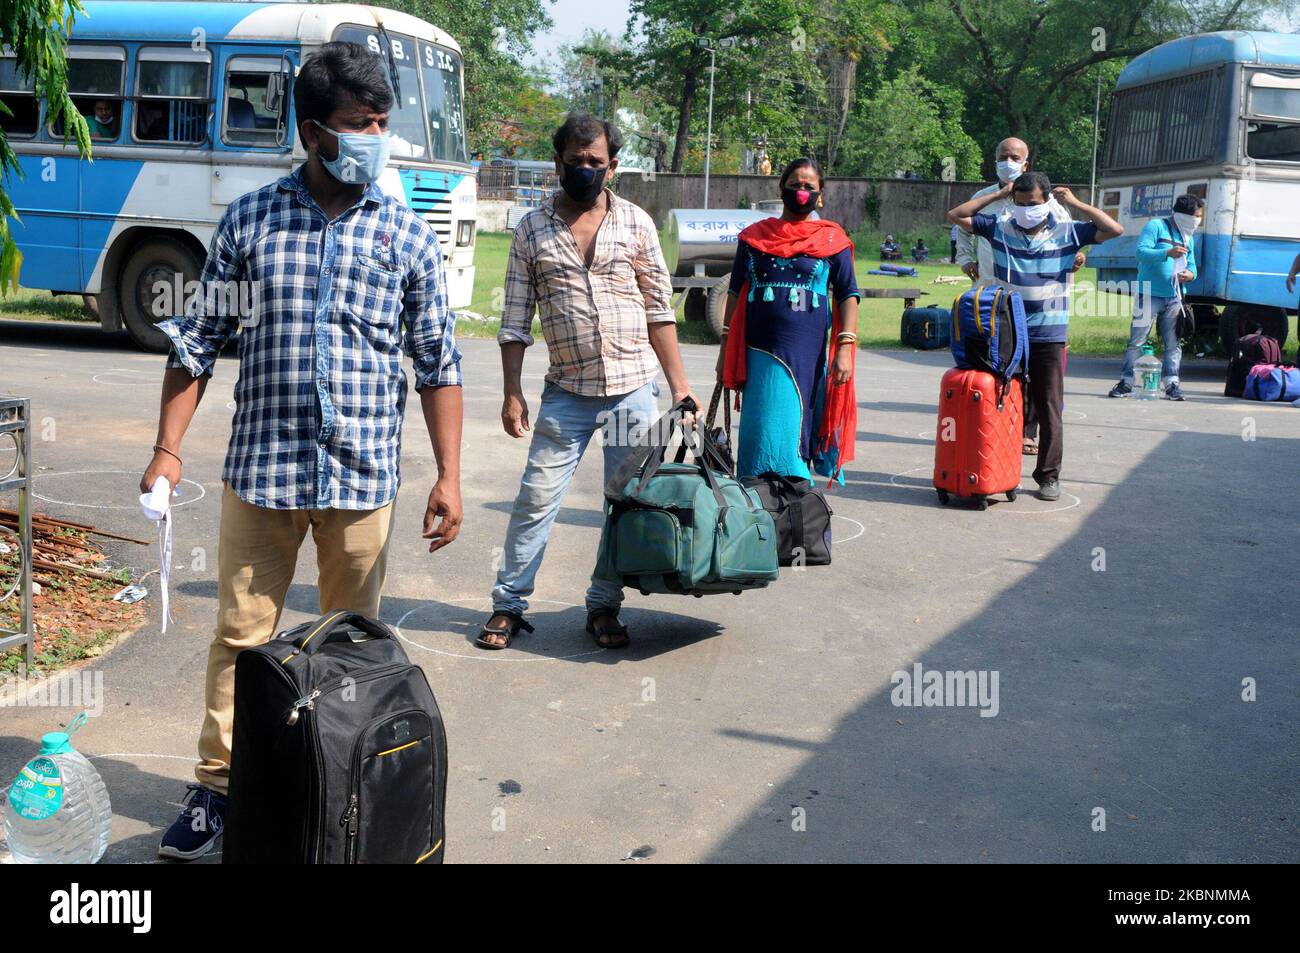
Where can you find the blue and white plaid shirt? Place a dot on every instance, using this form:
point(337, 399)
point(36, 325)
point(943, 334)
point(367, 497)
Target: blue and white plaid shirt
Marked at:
point(321, 390)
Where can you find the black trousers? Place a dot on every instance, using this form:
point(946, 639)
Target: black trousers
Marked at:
point(1046, 396)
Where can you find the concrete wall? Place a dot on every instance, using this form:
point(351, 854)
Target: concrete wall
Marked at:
point(897, 206)
point(492, 215)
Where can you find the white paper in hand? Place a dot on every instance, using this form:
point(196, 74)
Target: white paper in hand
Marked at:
point(157, 506)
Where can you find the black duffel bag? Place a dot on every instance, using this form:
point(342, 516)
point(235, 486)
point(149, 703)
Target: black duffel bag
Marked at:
point(802, 517)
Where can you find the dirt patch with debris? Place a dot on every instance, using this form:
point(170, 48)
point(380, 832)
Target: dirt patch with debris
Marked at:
point(75, 614)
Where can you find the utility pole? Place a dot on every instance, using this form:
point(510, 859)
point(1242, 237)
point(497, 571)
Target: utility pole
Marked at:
point(707, 43)
point(1096, 134)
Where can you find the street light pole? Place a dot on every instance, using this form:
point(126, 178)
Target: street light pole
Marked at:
point(708, 136)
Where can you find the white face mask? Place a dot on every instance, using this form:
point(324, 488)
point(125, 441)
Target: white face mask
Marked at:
point(1009, 170)
point(1186, 223)
point(1029, 216)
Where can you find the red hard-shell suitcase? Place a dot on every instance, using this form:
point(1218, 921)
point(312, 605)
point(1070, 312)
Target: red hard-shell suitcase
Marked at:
point(977, 445)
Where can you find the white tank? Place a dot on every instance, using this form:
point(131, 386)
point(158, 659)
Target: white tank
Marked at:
point(706, 237)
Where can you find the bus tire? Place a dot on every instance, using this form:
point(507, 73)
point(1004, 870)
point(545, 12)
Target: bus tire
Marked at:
point(153, 260)
point(716, 312)
point(1236, 318)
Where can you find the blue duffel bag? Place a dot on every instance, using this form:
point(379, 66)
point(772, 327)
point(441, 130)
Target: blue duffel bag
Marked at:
point(926, 329)
point(1273, 382)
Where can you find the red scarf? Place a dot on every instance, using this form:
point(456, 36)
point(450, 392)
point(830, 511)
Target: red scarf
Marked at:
point(816, 238)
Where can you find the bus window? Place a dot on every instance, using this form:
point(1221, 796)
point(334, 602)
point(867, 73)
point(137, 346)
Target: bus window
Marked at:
point(1164, 123)
point(1273, 126)
point(171, 90)
point(95, 84)
point(16, 92)
point(441, 70)
point(247, 119)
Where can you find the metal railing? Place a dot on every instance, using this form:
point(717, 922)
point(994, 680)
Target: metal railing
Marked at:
point(15, 414)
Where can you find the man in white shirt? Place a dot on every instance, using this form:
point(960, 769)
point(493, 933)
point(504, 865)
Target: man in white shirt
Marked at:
point(975, 254)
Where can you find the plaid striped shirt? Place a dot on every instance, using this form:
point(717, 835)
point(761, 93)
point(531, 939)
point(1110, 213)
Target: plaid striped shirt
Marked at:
point(595, 320)
point(334, 304)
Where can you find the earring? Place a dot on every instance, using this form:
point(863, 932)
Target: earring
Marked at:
point(819, 201)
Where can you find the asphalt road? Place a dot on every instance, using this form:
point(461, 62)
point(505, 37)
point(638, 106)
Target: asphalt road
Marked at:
point(1120, 624)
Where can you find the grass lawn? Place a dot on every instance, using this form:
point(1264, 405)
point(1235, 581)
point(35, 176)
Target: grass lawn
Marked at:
point(1099, 324)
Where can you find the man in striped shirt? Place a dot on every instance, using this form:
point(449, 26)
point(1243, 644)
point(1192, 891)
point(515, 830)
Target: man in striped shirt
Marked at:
point(1033, 253)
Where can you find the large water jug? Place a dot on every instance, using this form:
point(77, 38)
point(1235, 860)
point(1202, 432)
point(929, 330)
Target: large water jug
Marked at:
point(1146, 375)
point(57, 811)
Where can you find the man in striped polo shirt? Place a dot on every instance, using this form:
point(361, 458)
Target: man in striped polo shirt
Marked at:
point(1033, 253)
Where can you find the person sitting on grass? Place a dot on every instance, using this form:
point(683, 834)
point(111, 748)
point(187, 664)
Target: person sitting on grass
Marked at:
point(890, 250)
point(919, 252)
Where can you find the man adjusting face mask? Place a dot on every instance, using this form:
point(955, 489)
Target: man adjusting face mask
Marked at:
point(1030, 216)
point(361, 158)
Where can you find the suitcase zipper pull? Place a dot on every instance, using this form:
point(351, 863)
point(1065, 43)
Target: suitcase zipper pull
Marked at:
point(307, 701)
point(349, 818)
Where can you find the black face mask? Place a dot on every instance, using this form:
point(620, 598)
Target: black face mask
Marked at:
point(582, 183)
point(790, 198)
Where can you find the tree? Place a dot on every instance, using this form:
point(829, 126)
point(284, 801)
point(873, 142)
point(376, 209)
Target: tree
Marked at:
point(36, 31)
point(494, 36)
point(1029, 66)
point(914, 125)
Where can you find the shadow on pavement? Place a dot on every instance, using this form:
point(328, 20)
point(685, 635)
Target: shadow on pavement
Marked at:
point(1120, 689)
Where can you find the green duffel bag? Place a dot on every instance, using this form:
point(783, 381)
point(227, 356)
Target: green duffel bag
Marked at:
point(686, 528)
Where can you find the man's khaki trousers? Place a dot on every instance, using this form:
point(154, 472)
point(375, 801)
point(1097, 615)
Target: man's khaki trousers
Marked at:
point(257, 552)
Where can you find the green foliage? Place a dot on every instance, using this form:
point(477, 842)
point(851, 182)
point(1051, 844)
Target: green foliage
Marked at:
point(911, 124)
point(36, 31)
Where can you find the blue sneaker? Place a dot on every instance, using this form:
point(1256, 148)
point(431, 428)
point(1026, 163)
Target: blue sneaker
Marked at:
point(198, 827)
point(1174, 392)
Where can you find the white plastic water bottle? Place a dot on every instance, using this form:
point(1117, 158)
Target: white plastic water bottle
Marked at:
point(1147, 375)
point(57, 811)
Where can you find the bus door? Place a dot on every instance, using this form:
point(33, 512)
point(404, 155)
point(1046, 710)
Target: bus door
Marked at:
point(96, 82)
point(1266, 228)
point(253, 111)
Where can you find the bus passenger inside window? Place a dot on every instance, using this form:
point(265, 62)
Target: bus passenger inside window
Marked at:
point(103, 119)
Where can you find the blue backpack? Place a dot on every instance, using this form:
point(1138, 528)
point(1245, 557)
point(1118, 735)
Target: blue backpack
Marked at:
point(989, 333)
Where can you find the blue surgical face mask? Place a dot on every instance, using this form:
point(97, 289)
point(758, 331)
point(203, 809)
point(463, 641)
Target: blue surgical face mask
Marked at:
point(361, 157)
point(1009, 170)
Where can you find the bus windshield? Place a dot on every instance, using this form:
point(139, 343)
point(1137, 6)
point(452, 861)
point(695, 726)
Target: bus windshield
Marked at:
point(442, 100)
point(424, 104)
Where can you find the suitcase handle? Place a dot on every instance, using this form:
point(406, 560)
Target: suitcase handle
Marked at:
point(329, 626)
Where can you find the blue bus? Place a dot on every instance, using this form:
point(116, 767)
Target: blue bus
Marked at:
point(190, 105)
point(1217, 114)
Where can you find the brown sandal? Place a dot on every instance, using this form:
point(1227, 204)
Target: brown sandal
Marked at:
point(616, 633)
point(514, 622)
point(1029, 449)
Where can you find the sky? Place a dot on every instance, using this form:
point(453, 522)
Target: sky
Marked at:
point(570, 20)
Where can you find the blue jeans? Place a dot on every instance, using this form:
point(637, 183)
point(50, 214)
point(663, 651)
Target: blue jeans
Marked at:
point(1165, 312)
point(564, 425)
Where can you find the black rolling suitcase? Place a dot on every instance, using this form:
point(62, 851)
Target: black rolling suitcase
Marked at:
point(339, 754)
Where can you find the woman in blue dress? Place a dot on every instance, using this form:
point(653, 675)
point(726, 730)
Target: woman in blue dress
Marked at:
point(791, 337)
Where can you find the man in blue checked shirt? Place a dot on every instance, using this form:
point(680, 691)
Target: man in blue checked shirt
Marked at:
point(345, 280)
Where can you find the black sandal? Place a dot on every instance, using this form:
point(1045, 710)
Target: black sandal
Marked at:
point(615, 632)
point(515, 623)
